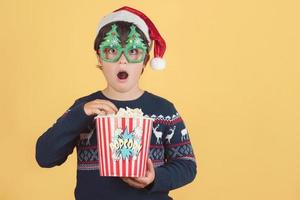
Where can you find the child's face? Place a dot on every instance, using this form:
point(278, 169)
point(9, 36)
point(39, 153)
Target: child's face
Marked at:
point(122, 76)
point(122, 61)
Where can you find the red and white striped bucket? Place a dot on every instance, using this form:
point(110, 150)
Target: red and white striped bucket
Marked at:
point(123, 145)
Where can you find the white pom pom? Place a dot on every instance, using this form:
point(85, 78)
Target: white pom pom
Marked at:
point(158, 63)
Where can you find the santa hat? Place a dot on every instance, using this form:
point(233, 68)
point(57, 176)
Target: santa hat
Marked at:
point(146, 26)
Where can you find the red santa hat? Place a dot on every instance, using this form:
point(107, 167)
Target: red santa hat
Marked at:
point(146, 26)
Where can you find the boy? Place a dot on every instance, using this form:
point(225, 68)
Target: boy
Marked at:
point(122, 45)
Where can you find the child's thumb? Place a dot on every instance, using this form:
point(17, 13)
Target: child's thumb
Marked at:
point(150, 166)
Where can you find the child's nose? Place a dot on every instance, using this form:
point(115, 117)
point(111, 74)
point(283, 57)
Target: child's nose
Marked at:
point(122, 59)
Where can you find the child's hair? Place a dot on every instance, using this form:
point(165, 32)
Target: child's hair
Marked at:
point(123, 29)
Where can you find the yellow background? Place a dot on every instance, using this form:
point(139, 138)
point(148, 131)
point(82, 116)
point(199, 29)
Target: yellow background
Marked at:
point(233, 74)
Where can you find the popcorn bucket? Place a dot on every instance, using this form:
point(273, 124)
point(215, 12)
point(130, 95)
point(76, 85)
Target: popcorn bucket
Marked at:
point(123, 145)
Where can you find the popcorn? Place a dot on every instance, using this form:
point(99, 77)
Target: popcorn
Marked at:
point(129, 112)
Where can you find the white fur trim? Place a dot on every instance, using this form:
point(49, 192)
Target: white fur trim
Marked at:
point(158, 63)
point(124, 15)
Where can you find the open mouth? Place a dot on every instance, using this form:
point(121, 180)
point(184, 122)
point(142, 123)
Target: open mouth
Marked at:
point(122, 75)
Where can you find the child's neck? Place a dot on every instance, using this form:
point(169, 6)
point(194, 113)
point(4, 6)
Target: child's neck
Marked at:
point(122, 96)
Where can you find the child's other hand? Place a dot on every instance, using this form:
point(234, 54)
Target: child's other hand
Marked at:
point(142, 182)
point(99, 106)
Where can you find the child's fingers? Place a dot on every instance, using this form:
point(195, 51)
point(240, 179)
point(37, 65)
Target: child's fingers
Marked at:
point(109, 103)
point(150, 166)
point(141, 180)
point(104, 107)
point(99, 112)
point(133, 183)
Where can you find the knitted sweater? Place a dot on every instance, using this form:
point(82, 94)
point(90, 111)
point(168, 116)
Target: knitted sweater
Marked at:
point(170, 150)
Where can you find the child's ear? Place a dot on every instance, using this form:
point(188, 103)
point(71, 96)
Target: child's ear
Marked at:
point(99, 61)
point(98, 58)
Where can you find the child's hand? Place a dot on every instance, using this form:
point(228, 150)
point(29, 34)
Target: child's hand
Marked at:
point(99, 106)
point(142, 182)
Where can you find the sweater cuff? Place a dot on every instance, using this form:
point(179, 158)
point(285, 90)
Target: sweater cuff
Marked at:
point(161, 181)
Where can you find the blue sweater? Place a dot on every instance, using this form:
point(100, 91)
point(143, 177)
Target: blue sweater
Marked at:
point(170, 151)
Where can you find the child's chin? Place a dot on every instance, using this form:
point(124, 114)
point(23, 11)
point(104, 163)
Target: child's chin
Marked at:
point(123, 87)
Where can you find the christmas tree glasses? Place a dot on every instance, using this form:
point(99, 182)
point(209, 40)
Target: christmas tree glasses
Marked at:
point(111, 48)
